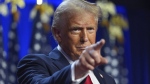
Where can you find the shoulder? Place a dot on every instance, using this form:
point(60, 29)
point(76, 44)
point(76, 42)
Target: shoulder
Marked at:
point(34, 59)
point(40, 57)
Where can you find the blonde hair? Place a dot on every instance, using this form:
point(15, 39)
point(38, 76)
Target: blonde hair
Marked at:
point(70, 7)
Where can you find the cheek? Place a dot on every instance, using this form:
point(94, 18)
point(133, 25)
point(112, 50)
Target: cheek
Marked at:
point(92, 38)
point(72, 40)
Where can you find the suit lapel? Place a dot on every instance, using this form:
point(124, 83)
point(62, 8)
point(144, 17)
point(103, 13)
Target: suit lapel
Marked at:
point(99, 76)
point(58, 59)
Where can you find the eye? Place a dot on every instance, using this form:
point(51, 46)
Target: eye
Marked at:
point(91, 29)
point(76, 30)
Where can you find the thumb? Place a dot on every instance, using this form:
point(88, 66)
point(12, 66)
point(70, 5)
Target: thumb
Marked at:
point(99, 44)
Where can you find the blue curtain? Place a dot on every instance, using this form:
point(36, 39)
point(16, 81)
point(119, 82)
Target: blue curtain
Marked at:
point(140, 45)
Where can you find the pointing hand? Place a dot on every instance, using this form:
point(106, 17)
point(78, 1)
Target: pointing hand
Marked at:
point(90, 58)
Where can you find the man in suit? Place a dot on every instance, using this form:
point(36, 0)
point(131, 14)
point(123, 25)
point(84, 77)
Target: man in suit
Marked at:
point(75, 59)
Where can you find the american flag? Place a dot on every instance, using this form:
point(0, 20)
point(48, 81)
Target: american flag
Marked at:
point(39, 40)
point(112, 31)
point(13, 49)
point(116, 66)
point(3, 63)
point(114, 52)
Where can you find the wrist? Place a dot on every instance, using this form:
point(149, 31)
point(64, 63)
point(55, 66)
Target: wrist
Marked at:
point(79, 70)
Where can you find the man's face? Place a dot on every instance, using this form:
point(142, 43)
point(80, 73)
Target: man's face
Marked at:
point(78, 34)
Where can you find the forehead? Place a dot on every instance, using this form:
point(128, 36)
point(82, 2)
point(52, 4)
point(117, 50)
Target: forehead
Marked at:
point(83, 19)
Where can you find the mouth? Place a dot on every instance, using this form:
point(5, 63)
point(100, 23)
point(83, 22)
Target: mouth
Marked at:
point(81, 48)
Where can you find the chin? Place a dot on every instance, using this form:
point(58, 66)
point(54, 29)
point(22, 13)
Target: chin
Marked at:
point(79, 53)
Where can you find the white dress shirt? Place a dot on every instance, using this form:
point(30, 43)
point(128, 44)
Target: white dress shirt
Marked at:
point(77, 81)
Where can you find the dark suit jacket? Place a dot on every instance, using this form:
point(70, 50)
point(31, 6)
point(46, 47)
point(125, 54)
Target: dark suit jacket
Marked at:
point(51, 69)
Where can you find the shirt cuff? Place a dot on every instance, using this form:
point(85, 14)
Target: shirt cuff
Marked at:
point(77, 81)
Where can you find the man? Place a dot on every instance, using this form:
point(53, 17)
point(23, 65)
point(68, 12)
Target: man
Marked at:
point(76, 57)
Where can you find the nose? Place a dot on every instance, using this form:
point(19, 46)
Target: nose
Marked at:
point(84, 36)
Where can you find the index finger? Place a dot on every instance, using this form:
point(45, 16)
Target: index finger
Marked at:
point(99, 44)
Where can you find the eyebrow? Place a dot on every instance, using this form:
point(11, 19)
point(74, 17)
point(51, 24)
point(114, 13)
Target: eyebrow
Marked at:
point(73, 27)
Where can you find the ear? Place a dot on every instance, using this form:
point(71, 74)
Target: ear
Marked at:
point(56, 33)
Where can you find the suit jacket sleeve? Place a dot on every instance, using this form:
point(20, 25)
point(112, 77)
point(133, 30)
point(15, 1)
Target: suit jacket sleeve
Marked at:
point(37, 69)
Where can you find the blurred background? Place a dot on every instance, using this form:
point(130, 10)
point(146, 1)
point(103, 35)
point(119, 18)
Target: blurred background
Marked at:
point(25, 28)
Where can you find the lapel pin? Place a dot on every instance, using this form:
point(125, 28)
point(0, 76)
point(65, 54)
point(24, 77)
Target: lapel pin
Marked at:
point(101, 75)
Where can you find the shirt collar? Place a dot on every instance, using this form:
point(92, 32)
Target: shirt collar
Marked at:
point(65, 55)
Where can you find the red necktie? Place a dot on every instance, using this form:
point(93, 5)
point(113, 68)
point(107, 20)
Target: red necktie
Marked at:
point(88, 80)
